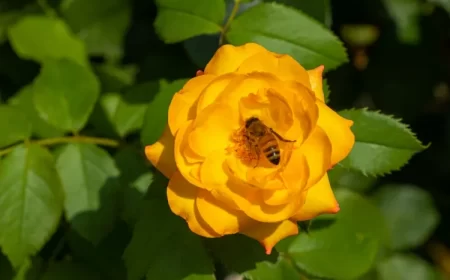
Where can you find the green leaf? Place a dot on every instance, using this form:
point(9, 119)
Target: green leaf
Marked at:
point(178, 20)
point(348, 247)
point(162, 247)
point(410, 214)
point(155, 119)
point(31, 201)
point(406, 15)
point(70, 270)
point(6, 19)
point(125, 112)
point(350, 179)
point(246, 256)
point(285, 30)
point(383, 144)
point(100, 24)
point(443, 3)
point(30, 269)
point(14, 125)
point(406, 267)
point(65, 94)
point(136, 177)
point(89, 176)
point(318, 9)
point(41, 38)
point(105, 257)
point(115, 78)
point(282, 269)
point(24, 100)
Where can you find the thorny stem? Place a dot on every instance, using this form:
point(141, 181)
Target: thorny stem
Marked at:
point(67, 139)
point(229, 20)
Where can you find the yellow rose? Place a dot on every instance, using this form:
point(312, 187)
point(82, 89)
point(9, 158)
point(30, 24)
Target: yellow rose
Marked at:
point(219, 182)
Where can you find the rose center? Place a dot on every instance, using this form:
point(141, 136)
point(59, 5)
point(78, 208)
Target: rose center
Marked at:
point(241, 147)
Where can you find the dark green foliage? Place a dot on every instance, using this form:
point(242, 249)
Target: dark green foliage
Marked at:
point(85, 85)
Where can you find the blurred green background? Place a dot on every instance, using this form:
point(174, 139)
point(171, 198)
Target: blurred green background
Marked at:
point(399, 53)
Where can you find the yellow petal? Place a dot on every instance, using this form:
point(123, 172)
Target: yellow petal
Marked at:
point(303, 104)
point(228, 58)
point(317, 151)
point(212, 129)
point(221, 218)
point(268, 234)
point(296, 173)
point(320, 199)
point(220, 86)
point(338, 130)
point(190, 169)
point(283, 67)
point(277, 197)
point(161, 154)
point(181, 196)
point(180, 109)
point(251, 201)
point(316, 80)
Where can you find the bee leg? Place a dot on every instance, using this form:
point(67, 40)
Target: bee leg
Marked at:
point(258, 154)
point(280, 137)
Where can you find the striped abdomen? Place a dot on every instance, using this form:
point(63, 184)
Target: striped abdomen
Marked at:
point(269, 147)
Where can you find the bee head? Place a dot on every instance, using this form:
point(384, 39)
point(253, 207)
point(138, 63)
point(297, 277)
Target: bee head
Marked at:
point(255, 127)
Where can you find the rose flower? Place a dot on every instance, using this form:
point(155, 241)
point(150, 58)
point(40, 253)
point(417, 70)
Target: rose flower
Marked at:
point(248, 145)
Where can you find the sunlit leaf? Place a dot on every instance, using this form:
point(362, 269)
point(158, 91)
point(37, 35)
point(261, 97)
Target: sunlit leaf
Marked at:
point(348, 247)
point(14, 125)
point(383, 144)
point(100, 24)
point(410, 214)
point(65, 93)
point(162, 247)
point(89, 177)
point(24, 100)
point(285, 30)
point(318, 9)
point(41, 38)
point(31, 201)
point(179, 20)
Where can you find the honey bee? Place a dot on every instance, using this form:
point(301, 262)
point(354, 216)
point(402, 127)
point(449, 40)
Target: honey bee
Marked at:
point(263, 139)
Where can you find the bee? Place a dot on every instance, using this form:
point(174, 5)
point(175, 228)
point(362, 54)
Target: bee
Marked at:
point(263, 139)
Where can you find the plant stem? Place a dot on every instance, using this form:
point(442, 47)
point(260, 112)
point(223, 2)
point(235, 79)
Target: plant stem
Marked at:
point(67, 139)
point(229, 20)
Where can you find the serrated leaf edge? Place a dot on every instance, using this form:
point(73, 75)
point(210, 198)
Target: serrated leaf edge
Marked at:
point(401, 123)
point(323, 26)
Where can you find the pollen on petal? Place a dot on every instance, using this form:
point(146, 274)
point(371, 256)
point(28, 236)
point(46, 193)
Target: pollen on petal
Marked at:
point(240, 147)
point(199, 73)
